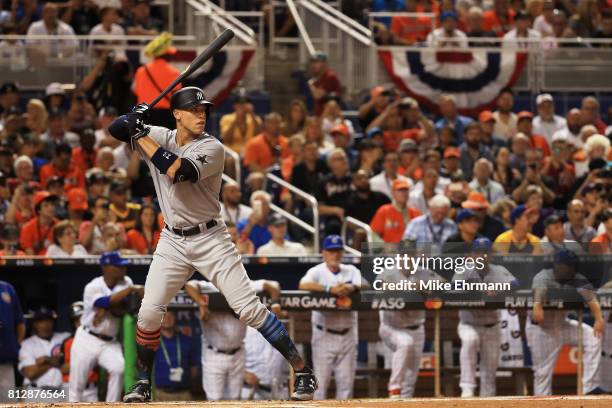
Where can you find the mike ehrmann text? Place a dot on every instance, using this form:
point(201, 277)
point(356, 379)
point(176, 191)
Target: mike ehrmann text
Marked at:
point(438, 285)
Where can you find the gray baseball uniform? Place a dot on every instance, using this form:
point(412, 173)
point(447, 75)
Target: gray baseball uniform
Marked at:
point(211, 252)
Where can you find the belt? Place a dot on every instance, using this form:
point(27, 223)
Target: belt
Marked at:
point(227, 352)
point(98, 335)
point(332, 331)
point(194, 230)
point(262, 387)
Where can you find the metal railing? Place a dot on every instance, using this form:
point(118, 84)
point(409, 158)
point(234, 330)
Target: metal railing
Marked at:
point(301, 29)
point(237, 168)
point(347, 43)
point(309, 200)
point(351, 221)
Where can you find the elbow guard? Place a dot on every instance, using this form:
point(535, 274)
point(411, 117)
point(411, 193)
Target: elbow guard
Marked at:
point(163, 159)
point(186, 172)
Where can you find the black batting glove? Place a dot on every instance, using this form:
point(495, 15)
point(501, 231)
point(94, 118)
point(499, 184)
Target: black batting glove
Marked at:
point(143, 110)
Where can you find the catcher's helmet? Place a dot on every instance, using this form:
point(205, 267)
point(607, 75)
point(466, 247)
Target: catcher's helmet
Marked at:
point(76, 309)
point(188, 97)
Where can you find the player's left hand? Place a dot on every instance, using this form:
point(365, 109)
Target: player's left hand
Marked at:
point(143, 110)
point(598, 328)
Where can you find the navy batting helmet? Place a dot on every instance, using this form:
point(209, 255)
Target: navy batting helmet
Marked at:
point(189, 97)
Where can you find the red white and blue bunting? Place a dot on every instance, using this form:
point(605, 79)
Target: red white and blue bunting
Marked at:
point(475, 78)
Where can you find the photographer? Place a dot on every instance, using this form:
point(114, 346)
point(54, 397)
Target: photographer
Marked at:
point(109, 83)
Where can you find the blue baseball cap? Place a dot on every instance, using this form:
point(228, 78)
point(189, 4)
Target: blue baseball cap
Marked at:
point(565, 256)
point(481, 244)
point(448, 14)
point(518, 211)
point(332, 242)
point(374, 131)
point(464, 214)
point(113, 258)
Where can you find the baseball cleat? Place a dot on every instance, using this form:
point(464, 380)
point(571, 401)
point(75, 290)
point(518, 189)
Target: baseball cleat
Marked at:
point(140, 392)
point(305, 386)
point(394, 394)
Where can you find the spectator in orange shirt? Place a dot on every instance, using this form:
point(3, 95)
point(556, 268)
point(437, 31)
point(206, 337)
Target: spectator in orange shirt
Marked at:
point(268, 147)
point(296, 145)
point(37, 234)
point(84, 157)
point(9, 239)
point(145, 235)
point(409, 30)
point(150, 79)
point(390, 220)
point(500, 19)
point(524, 124)
point(61, 166)
point(20, 210)
point(77, 206)
point(602, 244)
point(324, 81)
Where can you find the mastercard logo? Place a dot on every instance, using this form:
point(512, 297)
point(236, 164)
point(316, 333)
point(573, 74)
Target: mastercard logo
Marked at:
point(433, 304)
point(344, 302)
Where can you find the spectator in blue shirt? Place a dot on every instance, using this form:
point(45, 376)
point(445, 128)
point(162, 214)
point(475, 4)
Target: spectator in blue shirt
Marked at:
point(176, 363)
point(451, 118)
point(255, 228)
point(387, 5)
point(12, 333)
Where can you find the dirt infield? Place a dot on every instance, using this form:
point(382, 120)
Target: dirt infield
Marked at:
point(502, 402)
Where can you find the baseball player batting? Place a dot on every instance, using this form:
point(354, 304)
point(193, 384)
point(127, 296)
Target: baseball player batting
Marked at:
point(186, 165)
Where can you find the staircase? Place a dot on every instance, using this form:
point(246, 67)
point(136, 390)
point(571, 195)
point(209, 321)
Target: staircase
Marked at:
point(279, 79)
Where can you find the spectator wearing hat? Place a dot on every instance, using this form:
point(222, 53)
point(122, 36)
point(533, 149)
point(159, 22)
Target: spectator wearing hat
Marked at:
point(54, 96)
point(36, 234)
point(451, 118)
point(447, 35)
point(323, 81)
point(241, 125)
point(65, 242)
point(575, 228)
point(108, 27)
point(554, 236)
point(499, 19)
point(490, 226)
point(39, 367)
point(519, 239)
point(505, 119)
point(411, 30)
point(341, 137)
point(51, 25)
point(482, 182)
point(268, 147)
point(390, 220)
point(522, 35)
point(451, 168)
point(467, 225)
point(380, 105)
point(153, 77)
point(57, 134)
point(547, 122)
point(278, 244)
point(144, 237)
point(383, 181)
point(433, 227)
point(124, 212)
point(410, 161)
point(61, 166)
point(9, 240)
point(472, 149)
point(602, 243)
point(9, 96)
point(334, 190)
point(487, 127)
point(139, 20)
point(524, 124)
point(12, 335)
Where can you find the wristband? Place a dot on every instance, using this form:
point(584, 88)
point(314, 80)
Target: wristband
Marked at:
point(275, 304)
point(163, 159)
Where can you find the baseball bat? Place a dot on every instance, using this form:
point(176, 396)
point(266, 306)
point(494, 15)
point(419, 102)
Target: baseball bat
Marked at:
point(211, 50)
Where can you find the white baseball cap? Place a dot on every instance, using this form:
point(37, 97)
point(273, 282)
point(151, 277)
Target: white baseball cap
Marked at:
point(54, 88)
point(560, 136)
point(545, 97)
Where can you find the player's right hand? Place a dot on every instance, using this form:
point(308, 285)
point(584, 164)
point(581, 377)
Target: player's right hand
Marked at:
point(598, 328)
point(143, 110)
point(538, 313)
point(204, 313)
